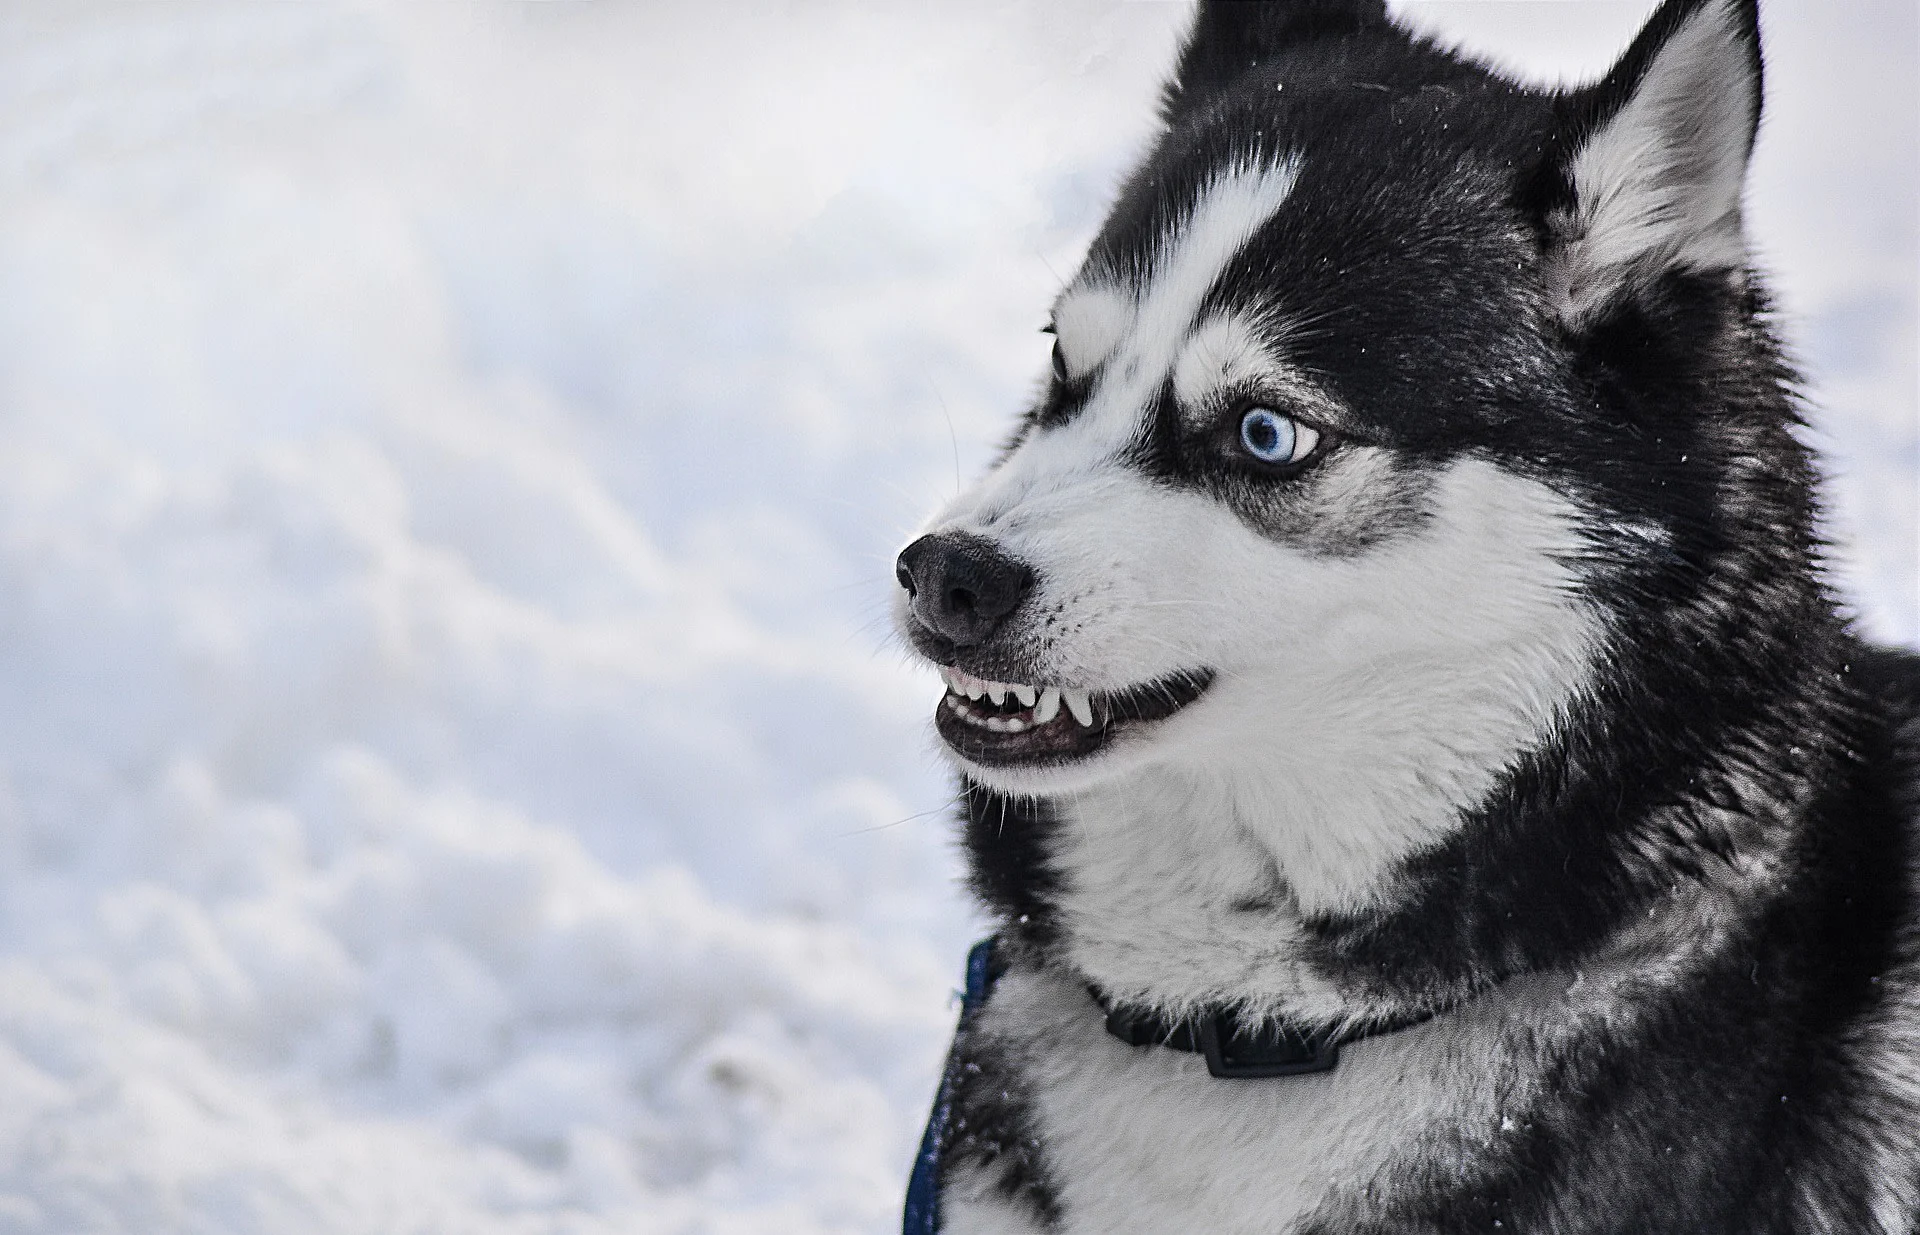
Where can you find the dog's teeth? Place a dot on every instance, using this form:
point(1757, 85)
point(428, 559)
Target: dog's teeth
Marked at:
point(972, 687)
point(1025, 694)
point(1080, 704)
point(997, 691)
point(1049, 706)
point(951, 679)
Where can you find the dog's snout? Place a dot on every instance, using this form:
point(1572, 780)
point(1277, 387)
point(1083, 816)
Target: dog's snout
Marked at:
point(960, 586)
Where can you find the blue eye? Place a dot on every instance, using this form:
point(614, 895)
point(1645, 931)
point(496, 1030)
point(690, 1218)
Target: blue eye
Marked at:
point(1272, 438)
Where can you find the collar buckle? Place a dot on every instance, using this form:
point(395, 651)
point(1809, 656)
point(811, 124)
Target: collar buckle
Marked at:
point(1272, 1050)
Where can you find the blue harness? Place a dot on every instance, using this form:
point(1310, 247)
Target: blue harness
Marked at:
point(923, 1189)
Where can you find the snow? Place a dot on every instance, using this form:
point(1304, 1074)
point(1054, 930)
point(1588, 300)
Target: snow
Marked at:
point(455, 775)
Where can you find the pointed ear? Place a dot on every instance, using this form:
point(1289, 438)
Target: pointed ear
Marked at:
point(1651, 167)
point(1231, 36)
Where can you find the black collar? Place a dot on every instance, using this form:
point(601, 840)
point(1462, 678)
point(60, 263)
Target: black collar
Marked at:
point(1234, 1051)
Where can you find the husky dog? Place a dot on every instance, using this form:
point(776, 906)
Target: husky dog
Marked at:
point(1416, 765)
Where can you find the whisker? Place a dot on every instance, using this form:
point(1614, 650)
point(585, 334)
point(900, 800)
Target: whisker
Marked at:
point(881, 827)
point(953, 439)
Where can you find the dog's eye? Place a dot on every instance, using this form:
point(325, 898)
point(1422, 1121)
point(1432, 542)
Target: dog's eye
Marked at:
point(1272, 438)
point(1059, 362)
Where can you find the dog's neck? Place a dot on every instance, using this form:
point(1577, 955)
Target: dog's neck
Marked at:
point(1174, 894)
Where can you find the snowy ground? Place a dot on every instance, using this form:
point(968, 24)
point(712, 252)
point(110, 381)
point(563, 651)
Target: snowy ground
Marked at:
point(454, 776)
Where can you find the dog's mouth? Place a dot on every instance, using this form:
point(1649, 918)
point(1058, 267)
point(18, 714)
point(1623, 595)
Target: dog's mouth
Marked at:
point(999, 724)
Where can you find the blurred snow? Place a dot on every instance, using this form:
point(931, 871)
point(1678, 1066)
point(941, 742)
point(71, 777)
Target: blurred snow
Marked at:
point(455, 776)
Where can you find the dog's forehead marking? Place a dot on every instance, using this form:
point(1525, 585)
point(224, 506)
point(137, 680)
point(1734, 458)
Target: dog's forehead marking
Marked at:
point(1089, 323)
point(1101, 318)
point(1232, 354)
point(1223, 350)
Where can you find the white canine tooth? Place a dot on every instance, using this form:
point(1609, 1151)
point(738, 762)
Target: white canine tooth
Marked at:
point(997, 691)
point(972, 687)
point(1081, 705)
point(1025, 694)
point(1049, 706)
point(947, 676)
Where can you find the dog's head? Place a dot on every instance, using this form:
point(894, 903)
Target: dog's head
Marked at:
point(1385, 380)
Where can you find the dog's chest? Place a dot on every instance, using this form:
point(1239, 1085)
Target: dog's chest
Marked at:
point(1142, 1139)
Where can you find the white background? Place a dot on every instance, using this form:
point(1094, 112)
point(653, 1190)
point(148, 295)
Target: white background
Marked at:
point(454, 774)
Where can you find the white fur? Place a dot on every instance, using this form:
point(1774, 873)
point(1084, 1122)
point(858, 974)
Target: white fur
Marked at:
point(1089, 323)
point(1659, 186)
point(1142, 1140)
point(969, 1206)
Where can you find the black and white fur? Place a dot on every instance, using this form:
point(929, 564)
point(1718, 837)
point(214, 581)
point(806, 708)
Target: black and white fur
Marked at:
point(1520, 706)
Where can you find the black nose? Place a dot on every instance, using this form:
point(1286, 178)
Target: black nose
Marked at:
point(960, 586)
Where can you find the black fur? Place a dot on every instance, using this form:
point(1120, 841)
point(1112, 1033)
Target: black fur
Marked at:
point(1230, 38)
point(1007, 841)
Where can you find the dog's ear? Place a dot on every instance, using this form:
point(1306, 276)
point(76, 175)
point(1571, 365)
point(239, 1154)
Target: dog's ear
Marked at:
point(1648, 165)
point(1231, 36)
